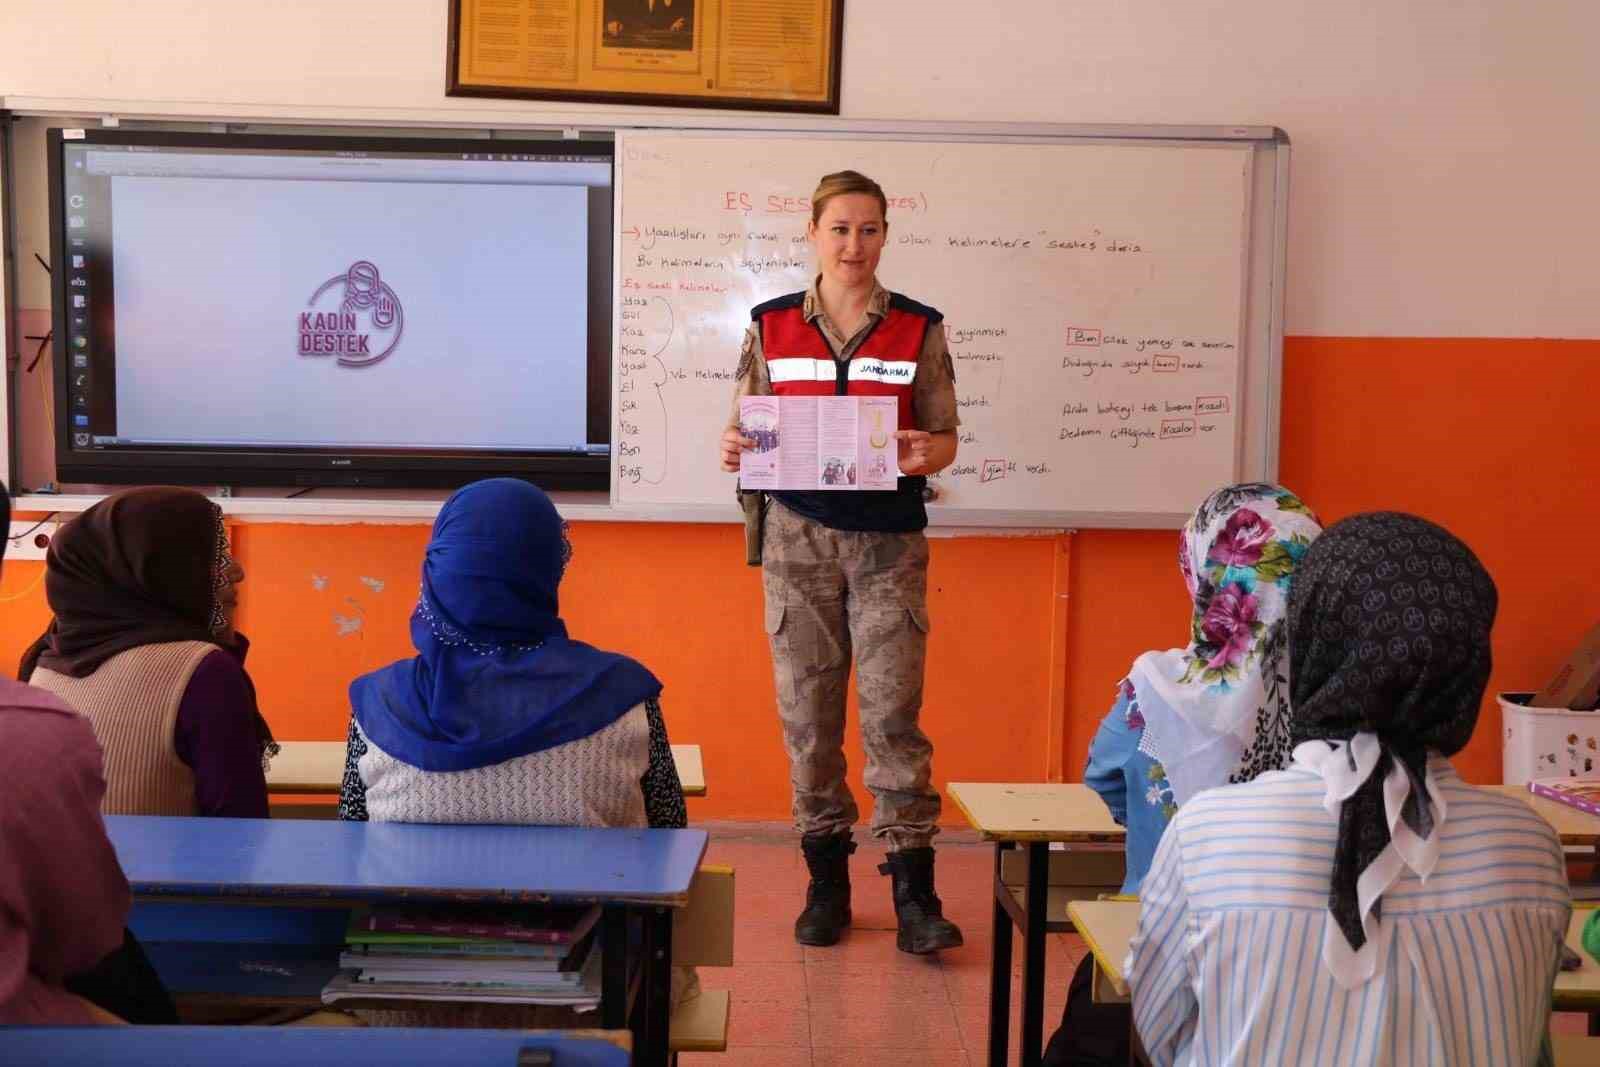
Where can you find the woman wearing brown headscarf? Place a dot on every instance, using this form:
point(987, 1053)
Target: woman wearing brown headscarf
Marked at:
point(63, 897)
point(142, 643)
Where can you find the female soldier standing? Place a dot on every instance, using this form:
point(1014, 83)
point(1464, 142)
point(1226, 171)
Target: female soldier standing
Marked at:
point(847, 572)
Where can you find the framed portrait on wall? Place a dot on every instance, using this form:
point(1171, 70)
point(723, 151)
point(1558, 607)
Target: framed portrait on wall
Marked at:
point(766, 55)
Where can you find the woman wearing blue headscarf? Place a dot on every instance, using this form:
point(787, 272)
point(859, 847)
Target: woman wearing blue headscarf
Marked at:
point(501, 717)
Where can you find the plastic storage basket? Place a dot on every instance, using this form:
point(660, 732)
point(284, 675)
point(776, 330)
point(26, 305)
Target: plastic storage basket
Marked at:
point(1546, 742)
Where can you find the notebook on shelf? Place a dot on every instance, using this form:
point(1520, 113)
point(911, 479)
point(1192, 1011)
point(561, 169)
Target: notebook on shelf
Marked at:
point(543, 925)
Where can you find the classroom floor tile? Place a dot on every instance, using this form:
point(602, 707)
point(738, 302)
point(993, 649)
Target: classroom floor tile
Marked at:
point(861, 1001)
point(878, 1056)
point(750, 1056)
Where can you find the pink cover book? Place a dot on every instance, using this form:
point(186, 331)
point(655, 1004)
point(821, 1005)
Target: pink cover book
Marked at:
point(1580, 793)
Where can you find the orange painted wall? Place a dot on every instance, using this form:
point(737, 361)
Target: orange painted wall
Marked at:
point(1496, 439)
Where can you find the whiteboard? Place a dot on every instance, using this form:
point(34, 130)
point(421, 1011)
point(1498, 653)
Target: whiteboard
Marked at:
point(1112, 308)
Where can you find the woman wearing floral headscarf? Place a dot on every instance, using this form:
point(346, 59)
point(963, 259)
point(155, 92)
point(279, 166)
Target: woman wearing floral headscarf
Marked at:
point(1191, 718)
point(142, 642)
point(1216, 710)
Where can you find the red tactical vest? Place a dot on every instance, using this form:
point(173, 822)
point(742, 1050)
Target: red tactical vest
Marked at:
point(800, 361)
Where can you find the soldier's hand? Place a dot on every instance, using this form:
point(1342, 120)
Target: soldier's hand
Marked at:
point(732, 443)
point(915, 447)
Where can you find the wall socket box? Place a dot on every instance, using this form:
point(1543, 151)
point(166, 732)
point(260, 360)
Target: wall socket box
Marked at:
point(29, 538)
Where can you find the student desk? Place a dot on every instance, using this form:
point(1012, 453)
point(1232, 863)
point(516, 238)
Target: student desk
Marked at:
point(1579, 990)
point(277, 1046)
point(1031, 816)
point(315, 868)
point(1108, 927)
point(316, 767)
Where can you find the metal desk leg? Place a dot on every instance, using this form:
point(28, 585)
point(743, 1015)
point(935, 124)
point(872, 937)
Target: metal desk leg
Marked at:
point(1033, 960)
point(614, 966)
point(655, 1007)
point(1000, 968)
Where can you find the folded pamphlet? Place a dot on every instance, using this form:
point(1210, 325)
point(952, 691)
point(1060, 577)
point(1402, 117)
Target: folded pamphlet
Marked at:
point(819, 442)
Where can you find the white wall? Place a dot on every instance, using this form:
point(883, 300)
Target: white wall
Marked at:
point(1446, 151)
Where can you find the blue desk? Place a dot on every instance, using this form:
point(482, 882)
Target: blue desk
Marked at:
point(267, 1046)
point(184, 863)
point(357, 861)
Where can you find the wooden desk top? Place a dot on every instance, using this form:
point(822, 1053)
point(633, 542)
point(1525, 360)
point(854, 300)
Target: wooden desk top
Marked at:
point(691, 771)
point(1022, 811)
point(306, 767)
point(318, 767)
point(364, 861)
point(1577, 990)
point(1575, 827)
point(308, 1046)
point(1107, 927)
point(1030, 811)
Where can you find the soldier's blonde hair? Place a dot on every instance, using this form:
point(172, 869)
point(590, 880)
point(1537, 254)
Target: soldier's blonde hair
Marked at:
point(844, 183)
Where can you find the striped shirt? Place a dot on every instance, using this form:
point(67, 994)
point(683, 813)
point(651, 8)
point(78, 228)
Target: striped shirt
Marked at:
point(1226, 966)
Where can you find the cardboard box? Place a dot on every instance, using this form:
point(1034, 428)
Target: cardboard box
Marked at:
point(1577, 683)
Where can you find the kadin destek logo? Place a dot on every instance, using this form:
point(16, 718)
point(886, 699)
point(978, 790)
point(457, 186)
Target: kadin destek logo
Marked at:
point(354, 316)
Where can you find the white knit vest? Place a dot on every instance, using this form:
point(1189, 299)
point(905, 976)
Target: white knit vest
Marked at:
point(593, 781)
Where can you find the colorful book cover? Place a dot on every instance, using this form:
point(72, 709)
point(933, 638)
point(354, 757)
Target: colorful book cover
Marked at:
point(375, 944)
point(553, 925)
point(1580, 793)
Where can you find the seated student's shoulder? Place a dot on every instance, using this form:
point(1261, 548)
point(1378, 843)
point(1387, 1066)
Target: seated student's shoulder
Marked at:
point(1487, 811)
point(15, 694)
point(39, 727)
point(1294, 787)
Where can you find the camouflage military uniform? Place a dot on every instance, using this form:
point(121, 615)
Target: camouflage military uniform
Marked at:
point(833, 595)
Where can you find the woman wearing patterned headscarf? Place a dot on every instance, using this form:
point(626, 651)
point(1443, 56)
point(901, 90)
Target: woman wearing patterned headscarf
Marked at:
point(1187, 719)
point(1390, 657)
point(142, 642)
point(1365, 905)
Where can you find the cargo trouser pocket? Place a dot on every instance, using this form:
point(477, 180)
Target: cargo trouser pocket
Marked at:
point(919, 616)
point(781, 641)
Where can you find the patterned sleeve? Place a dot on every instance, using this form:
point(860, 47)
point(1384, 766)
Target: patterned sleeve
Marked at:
point(663, 793)
point(933, 390)
point(1113, 745)
point(752, 377)
point(353, 791)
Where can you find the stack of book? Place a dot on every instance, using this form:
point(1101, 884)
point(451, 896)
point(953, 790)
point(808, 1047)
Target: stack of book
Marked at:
point(537, 955)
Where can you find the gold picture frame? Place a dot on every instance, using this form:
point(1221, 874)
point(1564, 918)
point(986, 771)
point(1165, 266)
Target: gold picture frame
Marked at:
point(765, 55)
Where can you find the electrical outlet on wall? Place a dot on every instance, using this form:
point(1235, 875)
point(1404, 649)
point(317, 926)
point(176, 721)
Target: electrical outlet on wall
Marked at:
point(29, 538)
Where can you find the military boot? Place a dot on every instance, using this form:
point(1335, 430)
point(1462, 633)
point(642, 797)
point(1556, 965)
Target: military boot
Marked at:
point(923, 927)
point(827, 911)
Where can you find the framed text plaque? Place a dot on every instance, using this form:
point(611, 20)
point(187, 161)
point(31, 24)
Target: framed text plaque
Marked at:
point(767, 55)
